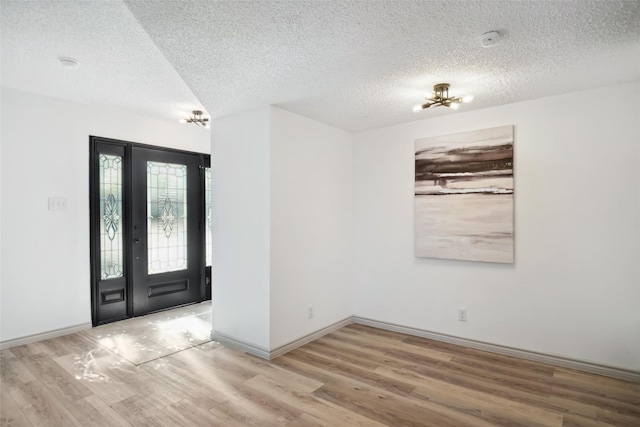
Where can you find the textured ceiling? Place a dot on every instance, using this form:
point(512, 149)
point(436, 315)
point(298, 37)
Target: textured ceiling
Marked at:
point(120, 66)
point(351, 64)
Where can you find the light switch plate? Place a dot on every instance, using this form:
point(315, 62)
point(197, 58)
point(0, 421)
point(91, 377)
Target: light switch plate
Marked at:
point(58, 203)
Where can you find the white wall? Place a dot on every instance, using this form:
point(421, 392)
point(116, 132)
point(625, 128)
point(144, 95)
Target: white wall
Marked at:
point(574, 289)
point(282, 223)
point(45, 152)
point(240, 203)
point(311, 205)
point(1, 238)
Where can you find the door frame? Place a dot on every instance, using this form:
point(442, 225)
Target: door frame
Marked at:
point(121, 297)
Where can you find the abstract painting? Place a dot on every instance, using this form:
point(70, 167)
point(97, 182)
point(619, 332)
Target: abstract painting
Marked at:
point(464, 196)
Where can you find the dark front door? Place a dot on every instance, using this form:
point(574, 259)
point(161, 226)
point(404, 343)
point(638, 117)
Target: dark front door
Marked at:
point(148, 229)
point(167, 229)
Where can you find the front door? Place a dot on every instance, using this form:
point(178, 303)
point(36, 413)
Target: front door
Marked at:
point(168, 260)
point(148, 229)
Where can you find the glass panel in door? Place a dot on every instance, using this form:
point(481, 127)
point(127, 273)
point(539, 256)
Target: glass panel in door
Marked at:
point(110, 184)
point(166, 217)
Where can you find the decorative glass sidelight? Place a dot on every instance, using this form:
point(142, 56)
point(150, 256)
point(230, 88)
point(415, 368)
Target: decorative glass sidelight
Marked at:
point(166, 217)
point(207, 213)
point(111, 250)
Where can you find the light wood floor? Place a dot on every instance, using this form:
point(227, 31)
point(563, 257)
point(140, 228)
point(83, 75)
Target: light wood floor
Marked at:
point(357, 376)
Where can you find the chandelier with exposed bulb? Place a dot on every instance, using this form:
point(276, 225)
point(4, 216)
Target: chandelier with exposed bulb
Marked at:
point(440, 97)
point(196, 118)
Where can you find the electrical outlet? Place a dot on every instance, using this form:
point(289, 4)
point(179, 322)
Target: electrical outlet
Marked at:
point(462, 315)
point(310, 312)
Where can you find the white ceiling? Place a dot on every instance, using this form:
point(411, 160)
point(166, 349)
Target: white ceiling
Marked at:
point(120, 66)
point(351, 64)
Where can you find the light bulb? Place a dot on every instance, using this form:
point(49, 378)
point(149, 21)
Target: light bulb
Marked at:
point(454, 105)
point(416, 108)
point(183, 121)
point(467, 99)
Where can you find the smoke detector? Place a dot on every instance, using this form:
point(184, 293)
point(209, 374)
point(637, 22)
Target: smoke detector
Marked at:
point(490, 39)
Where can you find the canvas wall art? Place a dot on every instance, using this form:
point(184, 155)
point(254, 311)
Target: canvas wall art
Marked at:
point(464, 196)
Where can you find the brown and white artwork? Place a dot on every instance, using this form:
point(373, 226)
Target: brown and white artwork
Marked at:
point(464, 196)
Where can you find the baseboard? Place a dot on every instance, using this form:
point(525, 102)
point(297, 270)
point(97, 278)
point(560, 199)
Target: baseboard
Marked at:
point(43, 336)
point(279, 351)
point(240, 345)
point(264, 353)
point(308, 338)
point(564, 362)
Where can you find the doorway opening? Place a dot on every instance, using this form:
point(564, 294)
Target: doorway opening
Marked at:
point(150, 216)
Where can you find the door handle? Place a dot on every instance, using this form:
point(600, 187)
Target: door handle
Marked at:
point(136, 240)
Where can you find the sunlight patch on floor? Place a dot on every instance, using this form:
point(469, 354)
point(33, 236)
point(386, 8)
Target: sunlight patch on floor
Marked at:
point(145, 338)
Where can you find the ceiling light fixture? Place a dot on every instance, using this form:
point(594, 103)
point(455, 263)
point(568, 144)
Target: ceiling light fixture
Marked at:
point(440, 97)
point(196, 117)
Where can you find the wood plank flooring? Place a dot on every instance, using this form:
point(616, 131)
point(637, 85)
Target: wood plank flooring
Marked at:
point(357, 376)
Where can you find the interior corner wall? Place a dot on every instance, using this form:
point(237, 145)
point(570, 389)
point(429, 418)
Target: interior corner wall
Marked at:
point(574, 290)
point(311, 218)
point(45, 254)
point(240, 202)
